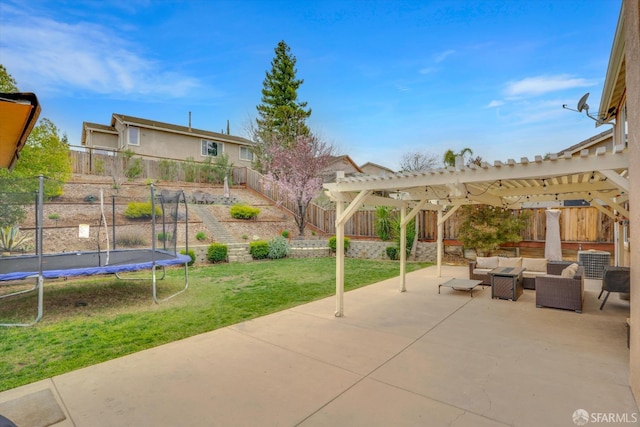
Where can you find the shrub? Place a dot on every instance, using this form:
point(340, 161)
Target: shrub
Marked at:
point(333, 244)
point(384, 223)
point(392, 252)
point(245, 237)
point(130, 240)
point(278, 248)
point(201, 236)
point(11, 240)
point(192, 254)
point(136, 210)
point(259, 249)
point(244, 212)
point(168, 170)
point(217, 252)
point(285, 234)
point(190, 168)
point(164, 237)
point(54, 216)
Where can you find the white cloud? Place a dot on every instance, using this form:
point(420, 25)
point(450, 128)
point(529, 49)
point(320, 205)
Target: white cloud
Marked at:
point(495, 103)
point(427, 70)
point(539, 85)
point(443, 55)
point(50, 55)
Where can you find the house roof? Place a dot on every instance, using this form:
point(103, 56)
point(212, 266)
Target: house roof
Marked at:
point(587, 143)
point(375, 165)
point(344, 158)
point(19, 112)
point(615, 80)
point(166, 127)
point(186, 130)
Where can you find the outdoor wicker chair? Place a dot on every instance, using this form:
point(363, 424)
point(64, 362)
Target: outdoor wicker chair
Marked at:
point(561, 292)
point(615, 279)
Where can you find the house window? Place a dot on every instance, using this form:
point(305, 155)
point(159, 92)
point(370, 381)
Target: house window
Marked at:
point(246, 154)
point(133, 135)
point(211, 148)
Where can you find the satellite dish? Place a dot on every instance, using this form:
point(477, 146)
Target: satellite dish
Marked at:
point(582, 104)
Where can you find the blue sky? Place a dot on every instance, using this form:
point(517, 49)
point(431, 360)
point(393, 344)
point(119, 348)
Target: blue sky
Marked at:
point(383, 78)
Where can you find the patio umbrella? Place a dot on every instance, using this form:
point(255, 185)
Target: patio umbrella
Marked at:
point(226, 187)
point(552, 245)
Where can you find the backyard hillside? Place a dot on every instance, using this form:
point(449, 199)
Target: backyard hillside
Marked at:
point(80, 204)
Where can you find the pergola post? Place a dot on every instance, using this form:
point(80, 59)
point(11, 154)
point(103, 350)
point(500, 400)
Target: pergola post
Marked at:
point(439, 245)
point(403, 248)
point(339, 260)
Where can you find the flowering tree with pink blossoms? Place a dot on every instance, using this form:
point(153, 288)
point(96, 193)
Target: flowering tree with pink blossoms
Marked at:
point(296, 171)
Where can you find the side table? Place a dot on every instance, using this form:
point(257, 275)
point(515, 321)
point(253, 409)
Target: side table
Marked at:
point(506, 282)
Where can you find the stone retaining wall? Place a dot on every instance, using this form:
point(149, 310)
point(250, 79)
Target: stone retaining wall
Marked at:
point(365, 249)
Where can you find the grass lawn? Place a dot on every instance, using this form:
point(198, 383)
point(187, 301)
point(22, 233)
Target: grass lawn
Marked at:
point(91, 320)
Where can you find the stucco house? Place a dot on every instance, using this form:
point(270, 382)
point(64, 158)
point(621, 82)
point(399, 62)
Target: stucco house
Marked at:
point(370, 168)
point(340, 163)
point(164, 140)
point(620, 106)
point(603, 139)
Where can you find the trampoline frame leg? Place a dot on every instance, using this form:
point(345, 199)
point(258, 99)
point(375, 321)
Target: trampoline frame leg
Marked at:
point(39, 286)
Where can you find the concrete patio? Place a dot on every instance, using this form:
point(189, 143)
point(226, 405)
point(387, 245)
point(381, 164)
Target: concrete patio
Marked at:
point(395, 359)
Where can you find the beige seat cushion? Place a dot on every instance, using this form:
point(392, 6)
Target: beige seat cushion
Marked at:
point(570, 271)
point(509, 262)
point(482, 271)
point(490, 262)
point(532, 274)
point(535, 264)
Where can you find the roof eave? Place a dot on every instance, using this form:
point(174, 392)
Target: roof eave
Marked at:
point(607, 101)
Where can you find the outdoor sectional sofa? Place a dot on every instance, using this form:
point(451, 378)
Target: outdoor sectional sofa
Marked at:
point(534, 267)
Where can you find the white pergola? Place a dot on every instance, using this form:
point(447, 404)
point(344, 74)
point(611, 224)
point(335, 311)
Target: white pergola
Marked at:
point(601, 178)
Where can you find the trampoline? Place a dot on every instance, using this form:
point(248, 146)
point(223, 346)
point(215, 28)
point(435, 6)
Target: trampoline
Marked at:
point(86, 263)
point(40, 266)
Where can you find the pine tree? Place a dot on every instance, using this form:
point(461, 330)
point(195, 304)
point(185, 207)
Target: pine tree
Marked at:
point(281, 116)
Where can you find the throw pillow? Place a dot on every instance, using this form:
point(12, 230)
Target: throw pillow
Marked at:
point(509, 262)
point(534, 264)
point(487, 262)
point(570, 271)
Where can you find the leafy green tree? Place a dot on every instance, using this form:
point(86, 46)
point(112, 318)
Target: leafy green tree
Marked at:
point(45, 153)
point(282, 117)
point(484, 228)
point(449, 158)
point(7, 83)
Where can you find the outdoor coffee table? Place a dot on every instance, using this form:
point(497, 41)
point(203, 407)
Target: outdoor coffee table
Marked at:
point(506, 282)
point(461, 285)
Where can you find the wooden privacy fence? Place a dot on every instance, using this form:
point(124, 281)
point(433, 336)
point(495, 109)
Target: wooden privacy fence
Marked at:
point(578, 224)
point(110, 163)
point(584, 224)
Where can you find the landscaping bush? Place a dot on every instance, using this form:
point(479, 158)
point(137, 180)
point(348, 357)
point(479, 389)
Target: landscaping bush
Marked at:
point(383, 224)
point(244, 212)
point(333, 244)
point(192, 254)
point(130, 240)
point(392, 252)
point(164, 237)
point(137, 210)
point(201, 236)
point(217, 252)
point(278, 248)
point(259, 249)
point(285, 234)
